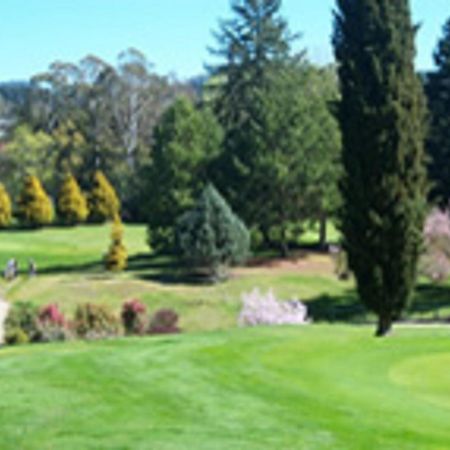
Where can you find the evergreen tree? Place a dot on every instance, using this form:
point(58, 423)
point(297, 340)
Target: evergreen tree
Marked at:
point(253, 46)
point(382, 119)
point(296, 168)
point(5, 207)
point(104, 204)
point(34, 207)
point(186, 140)
point(438, 91)
point(210, 236)
point(72, 204)
point(116, 259)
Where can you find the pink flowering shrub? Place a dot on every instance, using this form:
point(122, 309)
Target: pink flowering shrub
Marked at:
point(435, 261)
point(52, 315)
point(134, 318)
point(266, 309)
point(52, 324)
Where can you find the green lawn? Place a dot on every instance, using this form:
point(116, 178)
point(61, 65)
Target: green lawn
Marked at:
point(59, 248)
point(319, 387)
point(71, 272)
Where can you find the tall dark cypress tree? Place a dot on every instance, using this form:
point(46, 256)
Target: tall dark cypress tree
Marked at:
point(438, 92)
point(382, 119)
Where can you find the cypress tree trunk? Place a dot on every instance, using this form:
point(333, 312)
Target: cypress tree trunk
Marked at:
point(384, 325)
point(384, 184)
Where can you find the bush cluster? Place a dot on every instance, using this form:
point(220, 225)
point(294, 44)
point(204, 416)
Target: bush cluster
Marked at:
point(35, 208)
point(27, 323)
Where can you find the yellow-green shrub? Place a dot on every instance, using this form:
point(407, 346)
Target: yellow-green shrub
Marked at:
point(104, 204)
point(5, 207)
point(116, 258)
point(34, 207)
point(72, 204)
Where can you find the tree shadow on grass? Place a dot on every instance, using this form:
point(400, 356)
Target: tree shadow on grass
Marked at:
point(428, 303)
point(430, 299)
point(338, 308)
point(87, 267)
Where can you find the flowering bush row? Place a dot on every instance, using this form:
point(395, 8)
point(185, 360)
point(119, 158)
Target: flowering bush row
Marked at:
point(28, 323)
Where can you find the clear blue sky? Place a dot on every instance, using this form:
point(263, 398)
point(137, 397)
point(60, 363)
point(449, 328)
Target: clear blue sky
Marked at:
point(174, 34)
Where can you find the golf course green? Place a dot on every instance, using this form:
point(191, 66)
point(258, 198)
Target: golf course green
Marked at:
point(317, 387)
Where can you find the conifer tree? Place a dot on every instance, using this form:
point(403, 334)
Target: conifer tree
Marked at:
point(186, 140)
point(438, 91)
point(253, 46)
point(382, 119)
point(34, 207)
point(104, 204)
point(116, 258)
point(210, 236)
point(5, 207)
point(72, 204)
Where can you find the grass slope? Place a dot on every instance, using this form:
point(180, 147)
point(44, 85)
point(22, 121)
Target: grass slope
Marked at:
point(320, 387)
point(71, 272)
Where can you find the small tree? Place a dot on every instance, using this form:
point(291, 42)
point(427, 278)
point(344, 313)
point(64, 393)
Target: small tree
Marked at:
point(72, 204)
point(5, 207)
point(211, 236)
point(34, 206)
point(104, 204)
point(116, 259)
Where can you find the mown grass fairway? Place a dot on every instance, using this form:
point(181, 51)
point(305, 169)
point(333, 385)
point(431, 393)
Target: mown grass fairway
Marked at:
point(319, 387)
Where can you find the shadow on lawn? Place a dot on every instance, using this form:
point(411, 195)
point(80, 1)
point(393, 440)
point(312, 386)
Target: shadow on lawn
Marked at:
point(334, 308)
point(430, 299)
point(93, 266)
point(430, 302)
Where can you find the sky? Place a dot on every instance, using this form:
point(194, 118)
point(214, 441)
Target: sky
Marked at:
point(174, 34)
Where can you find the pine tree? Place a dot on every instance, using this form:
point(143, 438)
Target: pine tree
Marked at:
point(186, 140)
point(382, 119)
point(438, 91)
point(34, 207)
point(72, 204)
point(5, 207)
point(253, 45)
point(210, 236)
point(116, 259)
point(104, 204)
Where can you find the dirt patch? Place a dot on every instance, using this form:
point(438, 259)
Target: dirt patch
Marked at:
point(302, 261)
